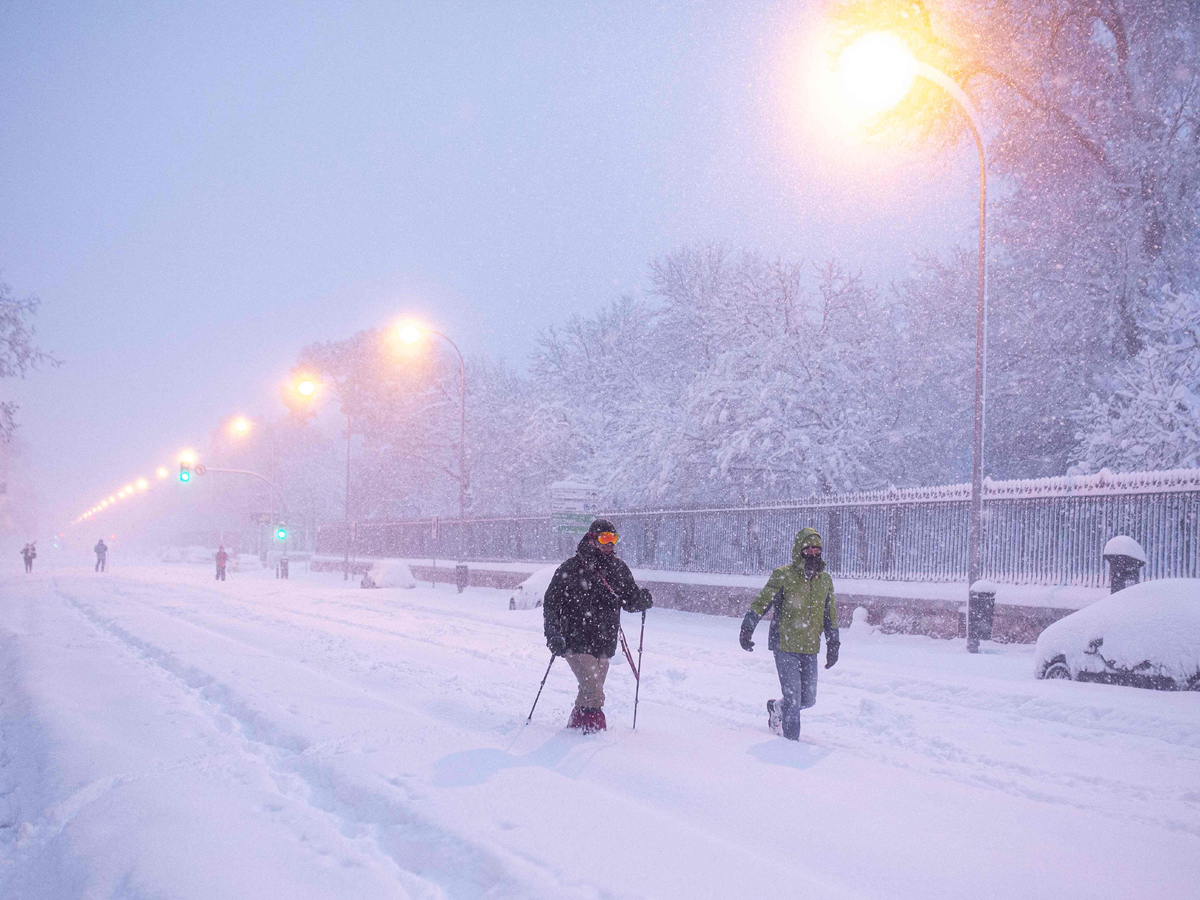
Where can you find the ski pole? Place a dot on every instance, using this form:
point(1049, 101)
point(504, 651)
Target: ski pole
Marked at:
point(542, 685)
point(628, 655)
point(637, 690)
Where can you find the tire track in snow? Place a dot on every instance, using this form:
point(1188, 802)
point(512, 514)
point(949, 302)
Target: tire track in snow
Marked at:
point(433, 861)
point(872, 728)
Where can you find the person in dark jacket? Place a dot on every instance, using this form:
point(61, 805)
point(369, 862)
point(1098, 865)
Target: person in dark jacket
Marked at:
point(582, 613)
point(222, 558)
point(802, 596)
point(101, 549)
point(29, 553)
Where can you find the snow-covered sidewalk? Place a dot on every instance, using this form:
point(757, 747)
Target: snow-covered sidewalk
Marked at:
point(163, 735)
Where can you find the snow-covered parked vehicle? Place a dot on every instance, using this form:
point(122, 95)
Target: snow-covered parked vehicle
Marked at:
point(530, 592)
point(1147, 636)
point(389, 573)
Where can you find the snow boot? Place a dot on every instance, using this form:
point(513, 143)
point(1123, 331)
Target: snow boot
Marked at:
point(576, 720)
point(775, 716)
point(593, 720)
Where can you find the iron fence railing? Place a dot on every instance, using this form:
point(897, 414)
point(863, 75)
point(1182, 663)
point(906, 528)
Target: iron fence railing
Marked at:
point(1048, 531)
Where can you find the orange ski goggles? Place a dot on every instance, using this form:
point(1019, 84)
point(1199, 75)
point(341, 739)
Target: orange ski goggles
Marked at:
point(607, 537)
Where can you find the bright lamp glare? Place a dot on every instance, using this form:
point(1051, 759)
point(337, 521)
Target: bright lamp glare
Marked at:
point(161, 472)
point(408, 333)
point(875, 73)
point(240, 425)
point(187, 456)
point(142, 484)
point(306, 388)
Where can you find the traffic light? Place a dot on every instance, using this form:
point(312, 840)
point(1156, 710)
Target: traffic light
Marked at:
point(281, 532)
point(185, 470)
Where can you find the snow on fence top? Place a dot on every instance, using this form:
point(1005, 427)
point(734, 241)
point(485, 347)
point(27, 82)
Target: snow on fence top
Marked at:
point(1102, 483)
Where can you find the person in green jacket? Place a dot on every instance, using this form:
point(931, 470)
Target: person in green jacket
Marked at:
point(802, 597)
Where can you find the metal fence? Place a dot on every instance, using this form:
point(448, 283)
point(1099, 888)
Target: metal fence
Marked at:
point(1045, 531)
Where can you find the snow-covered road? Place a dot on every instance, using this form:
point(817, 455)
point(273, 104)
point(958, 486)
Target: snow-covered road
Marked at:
point(165, 736)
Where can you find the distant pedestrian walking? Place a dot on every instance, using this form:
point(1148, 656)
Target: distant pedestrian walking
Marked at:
point(802, 596)
point(582, 614)
point(101, 549)
point(29, 553)
point(222, 559)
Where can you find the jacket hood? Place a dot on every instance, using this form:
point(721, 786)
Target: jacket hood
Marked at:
point(588, 550)
point(806, 537)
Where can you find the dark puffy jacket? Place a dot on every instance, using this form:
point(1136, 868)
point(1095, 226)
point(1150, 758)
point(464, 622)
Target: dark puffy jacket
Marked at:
point(584, 601)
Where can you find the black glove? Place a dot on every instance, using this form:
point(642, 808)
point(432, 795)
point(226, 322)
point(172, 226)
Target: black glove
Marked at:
point(748, 625)
point(642, 602)
point(557, 644)
point(831, 653)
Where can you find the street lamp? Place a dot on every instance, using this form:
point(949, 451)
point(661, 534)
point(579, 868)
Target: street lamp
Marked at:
point(410, 333)
point(875, 73)
point(306, 388)
point(240, 427)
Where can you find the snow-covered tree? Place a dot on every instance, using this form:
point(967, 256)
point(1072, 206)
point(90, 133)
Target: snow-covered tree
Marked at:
point(1092, 117)
point(796, 393)
point(1151, 420)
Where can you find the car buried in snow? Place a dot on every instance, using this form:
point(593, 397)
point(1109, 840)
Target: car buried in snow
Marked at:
point(1146, 636)
point(529, 593)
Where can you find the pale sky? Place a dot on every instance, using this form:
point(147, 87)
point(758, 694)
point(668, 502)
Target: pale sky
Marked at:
point(198, 190)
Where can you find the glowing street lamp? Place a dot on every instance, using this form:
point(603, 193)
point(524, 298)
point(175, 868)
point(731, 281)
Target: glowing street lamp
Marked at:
point(875, 73)
point(408, 332)
point(142, 484)
point(240, 426)
point(306, 387)
point(162, 472)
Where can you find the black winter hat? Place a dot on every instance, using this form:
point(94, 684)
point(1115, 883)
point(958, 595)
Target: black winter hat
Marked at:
point(599, 526)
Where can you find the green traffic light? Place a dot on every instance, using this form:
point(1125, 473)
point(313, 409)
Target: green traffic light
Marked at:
point(281, 534)
point(185, 476)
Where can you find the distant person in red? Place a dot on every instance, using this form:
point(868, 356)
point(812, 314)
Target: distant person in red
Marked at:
point(222, 558)
point(101, 549)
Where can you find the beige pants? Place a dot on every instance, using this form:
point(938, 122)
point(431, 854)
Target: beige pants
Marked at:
point(590, 672)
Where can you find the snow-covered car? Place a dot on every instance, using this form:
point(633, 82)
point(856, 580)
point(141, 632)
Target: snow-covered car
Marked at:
point(389, 573)
point(246, 562)
point(530, 592)
point(1147, 636)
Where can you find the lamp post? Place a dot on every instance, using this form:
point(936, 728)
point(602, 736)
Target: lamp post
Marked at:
point(307, 389)
point(240, 427)
point(409, 334)
point(876, 72)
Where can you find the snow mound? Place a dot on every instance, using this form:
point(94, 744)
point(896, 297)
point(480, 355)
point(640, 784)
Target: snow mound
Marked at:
point(1155, 621)
point(245, 562)
point(171, 555)
point(1124, 545)
point(391, 573)
point(530, 592)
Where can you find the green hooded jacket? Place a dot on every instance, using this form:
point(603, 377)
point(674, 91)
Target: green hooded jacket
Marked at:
point(806, 606)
